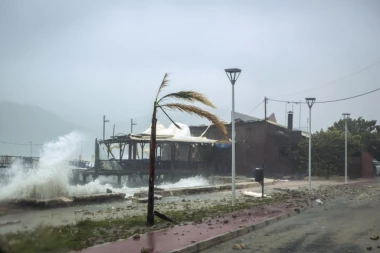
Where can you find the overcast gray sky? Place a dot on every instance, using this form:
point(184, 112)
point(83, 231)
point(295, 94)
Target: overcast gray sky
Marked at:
point(83, 59)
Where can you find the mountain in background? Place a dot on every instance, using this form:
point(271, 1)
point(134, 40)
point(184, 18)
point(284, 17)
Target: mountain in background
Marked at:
point(23, 123)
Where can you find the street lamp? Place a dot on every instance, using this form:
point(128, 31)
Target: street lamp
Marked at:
point(233, 75)
point(310, 102)
point(346, 116)
point(104, 126)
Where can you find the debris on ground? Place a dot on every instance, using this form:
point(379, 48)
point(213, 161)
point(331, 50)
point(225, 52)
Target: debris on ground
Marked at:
point(145, 250)
point(164, 217)
point(185, 211)
point(374, 237)
point(239, 246)
point(4, 223)
point(254, 194)
point(319, 201)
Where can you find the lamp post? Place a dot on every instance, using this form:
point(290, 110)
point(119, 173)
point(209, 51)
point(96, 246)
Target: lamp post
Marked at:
point(104, 126)
point(233, 74)
point(346, 117)
point(310, 102)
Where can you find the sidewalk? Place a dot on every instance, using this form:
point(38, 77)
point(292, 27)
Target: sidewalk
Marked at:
point(190, 238)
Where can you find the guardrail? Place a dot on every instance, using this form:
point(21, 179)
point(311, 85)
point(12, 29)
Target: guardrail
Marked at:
point(7, 161)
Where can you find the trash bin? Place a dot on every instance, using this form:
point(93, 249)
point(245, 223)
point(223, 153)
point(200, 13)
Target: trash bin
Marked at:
point(259, 175)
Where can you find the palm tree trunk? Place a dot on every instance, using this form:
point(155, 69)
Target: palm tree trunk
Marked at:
point(152, 163)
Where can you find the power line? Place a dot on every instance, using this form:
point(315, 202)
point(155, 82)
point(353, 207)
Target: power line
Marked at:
point(284, 101)
point(328, 101)
point(21, 144)
point(337, 80)
point(337, 100)
point(256, 107)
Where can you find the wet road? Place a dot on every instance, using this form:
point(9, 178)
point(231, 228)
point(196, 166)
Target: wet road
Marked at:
point(344, 225)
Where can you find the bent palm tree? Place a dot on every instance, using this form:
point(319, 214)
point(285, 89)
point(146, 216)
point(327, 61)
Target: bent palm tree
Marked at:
point(187, 96)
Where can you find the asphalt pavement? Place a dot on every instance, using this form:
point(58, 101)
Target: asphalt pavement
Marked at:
point(342, 225)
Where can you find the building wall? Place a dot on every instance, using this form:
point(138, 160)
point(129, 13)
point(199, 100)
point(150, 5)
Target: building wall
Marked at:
point(250, 147)
point(367, 165)
point(360, 166)
point(354, 168)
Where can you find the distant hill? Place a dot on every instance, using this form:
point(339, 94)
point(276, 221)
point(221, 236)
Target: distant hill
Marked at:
point(22, 123)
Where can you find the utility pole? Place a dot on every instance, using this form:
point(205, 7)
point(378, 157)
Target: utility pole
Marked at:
point(104, 126)
point(113, 132)
point(31, 149)
point(132, 124)
point(300, 116)
point(265, 108)
point(266, 129)
point(346, 117)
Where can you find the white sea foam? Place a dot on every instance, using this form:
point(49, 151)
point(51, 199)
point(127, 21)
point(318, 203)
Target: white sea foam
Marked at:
point(50, 178)
point(186, 182)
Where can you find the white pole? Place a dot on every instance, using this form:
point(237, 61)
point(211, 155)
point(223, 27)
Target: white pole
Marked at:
point(345, 155)
point(104, 126)
point(300, 117)
point(310, 148)
point(233, 144)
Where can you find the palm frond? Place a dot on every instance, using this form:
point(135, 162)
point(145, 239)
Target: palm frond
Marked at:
point(167, 115)
point(194, 110)
point(164, 83)
point(189, 96)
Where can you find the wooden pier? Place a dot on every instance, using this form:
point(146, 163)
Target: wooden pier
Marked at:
point(128, 155)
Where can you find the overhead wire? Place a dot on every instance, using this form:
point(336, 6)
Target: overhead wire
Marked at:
point(328, 101)
point(21, 144)
point(256, 107)
point(342, 99)
point(336, 80)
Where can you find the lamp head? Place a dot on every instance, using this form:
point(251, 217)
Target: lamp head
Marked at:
point(233, 74)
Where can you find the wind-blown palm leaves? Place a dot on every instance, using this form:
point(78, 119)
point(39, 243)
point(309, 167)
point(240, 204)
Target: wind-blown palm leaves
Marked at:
point(193, 110)
point(184, 96)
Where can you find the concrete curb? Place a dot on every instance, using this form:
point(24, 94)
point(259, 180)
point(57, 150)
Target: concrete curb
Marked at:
point(202, 189)
point(64, 202)
point(205, 244)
